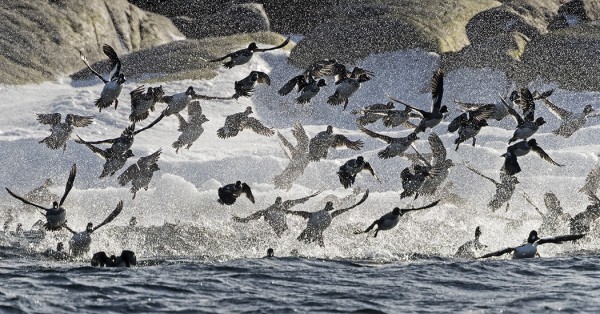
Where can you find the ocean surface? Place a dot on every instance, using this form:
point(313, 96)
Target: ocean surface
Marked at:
point(305, 285)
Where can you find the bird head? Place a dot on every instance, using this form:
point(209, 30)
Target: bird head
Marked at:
point(121, 79)
point(329, 206)
point(540, 121)
point(190, 91)
point(278, 200)
point(248, 110)
point(412, 136)
point(60, 246)
point(532, 142)
point(533, 236)
point(321, 83)
point(90, 227)
point(396, 211)
point(477, 232)
point(329, 129)
point(129, 153)
point(360, 159)
point(443, 109)
point(252, 47)
point(270, 252)
point(588, 109)
point(55, 205)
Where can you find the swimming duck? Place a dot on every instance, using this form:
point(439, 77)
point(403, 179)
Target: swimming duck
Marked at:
point(529, 249)
point(56, 215)
point(80, 241)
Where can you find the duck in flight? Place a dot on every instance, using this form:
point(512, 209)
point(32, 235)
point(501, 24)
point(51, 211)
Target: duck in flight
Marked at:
point(80, 241)
point(114, 85)
point(244, 55)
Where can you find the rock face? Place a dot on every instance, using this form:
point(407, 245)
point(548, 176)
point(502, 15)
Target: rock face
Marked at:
point(239, 18)
point(40, 39)
point(180, 59)
point(567, 56)
point(360, 28)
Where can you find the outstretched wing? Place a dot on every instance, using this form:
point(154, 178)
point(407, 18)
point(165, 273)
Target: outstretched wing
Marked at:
point(421, 112)
point(526, 104)
point(498, 253)
point(24, 200)
point(84, 59)
point(194, 110)
point(437, 90)
point(162, 115)
point(129, 174)
point(422, 207)
point(301, 213)
point(560, 239)
point(370, 133)
point(288, 148)
point(481, 174)
point(78, 121)
point(340, 140)
point(94, 149)
point(289, 86)
point(302, 140)
point(258, 127)
point(114, 60)
point(182, 123)
point(557, 111)
point(538, 150)
point(69, 185)
point(512, 111)
point(287, 41)
point(341, 211)
point(592, 181)
point(290, 203)
point(147, 161)
point(221, 59)
point(438, 150)
point(50, 118)
point(112, 215)
point(262, 77)
point(458, 122)
point(254, 216)
point(248, 192)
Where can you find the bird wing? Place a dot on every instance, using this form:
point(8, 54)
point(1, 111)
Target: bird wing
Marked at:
point(437, 90)
point(526, 197)
point(370, 133)
point(69, 185)
point(94, 149)
point(458, 122)
point(465, 106)
point(204, 97)
point(78, 121)
point(438, 149)
point(290, 203)
point(221, 58)
point(50, 118)
point(301, 213)
point(69, 229)
point(111, 216)
point(560, 239)
point(483, 113)
point(288, 148)
point(538, 150)
point(258, 127)
point(592, 181)
point(254, 216)
point(162, 115)
point(262, 77)
point(246, 190)
point(481, 174)
point(526, 104)
point(422, 207)
point(418, 158)
point(128, 174)
point(182, 123)
point(499, 252)
point(114, 60)
point(194, 110)
point(24, 200)
point(512, 111)
point(343, 210)
point(421, 112)
point(136, 93)
point(147, 161)
point(287, 41)
point(368, 167)
point(340, 140)
point(84, 59)
point(556, 110)
point(302, 139)
point(289, 86)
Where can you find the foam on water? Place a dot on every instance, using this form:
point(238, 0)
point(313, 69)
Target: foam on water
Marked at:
point(184, 190)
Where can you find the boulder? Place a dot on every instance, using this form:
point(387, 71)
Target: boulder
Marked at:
point(179, 60)
point(567, 56)
point(238, 18)
point(360, 28)
point(574, 12)
point(40, 39)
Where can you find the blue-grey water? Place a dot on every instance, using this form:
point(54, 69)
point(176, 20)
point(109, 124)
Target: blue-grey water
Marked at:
point(31, 284)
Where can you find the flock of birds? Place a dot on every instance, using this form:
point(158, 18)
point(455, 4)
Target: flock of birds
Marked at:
point(424, 177)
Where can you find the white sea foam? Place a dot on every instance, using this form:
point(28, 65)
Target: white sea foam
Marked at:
point(184, 190)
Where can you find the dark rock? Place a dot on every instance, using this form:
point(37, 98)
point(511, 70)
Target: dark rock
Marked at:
point(575, 12)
